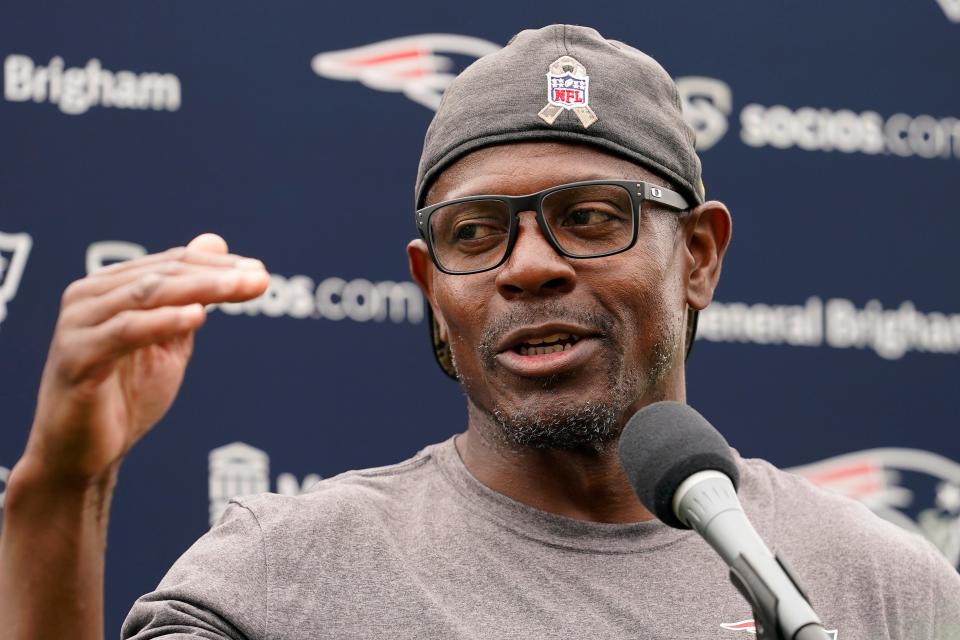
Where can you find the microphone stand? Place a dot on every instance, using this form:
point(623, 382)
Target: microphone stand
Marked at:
point(766, 606)
point(707, 502)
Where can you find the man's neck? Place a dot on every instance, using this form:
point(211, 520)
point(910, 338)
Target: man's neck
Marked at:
point(576, 484)
point(588, 484)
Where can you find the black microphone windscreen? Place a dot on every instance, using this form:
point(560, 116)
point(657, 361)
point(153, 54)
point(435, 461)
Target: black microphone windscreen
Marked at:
point(665, 443)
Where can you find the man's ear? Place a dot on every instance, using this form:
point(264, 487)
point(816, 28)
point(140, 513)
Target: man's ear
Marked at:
point(423, 272)
point(707, 232)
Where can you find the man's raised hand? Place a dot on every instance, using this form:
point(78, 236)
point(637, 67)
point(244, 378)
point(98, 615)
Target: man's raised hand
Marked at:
point(120, 349)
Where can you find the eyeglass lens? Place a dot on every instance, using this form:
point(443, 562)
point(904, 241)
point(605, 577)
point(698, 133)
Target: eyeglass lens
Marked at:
point(585, 221)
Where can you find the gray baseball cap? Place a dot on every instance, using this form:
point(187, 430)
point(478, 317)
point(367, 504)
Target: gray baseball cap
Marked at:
point(564, 83)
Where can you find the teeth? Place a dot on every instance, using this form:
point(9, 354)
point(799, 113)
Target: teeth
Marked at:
point(557, 337)
point(550, 344)
point(542, 351)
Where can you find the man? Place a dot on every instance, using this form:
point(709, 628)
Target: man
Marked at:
point(565, 249)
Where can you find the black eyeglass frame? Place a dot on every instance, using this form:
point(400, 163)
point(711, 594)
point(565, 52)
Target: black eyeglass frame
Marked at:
point(639, 193)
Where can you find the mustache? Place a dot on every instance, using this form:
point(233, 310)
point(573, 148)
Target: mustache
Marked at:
point(541, 312)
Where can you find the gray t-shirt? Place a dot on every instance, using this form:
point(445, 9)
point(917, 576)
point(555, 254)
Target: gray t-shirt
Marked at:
point(421, 549)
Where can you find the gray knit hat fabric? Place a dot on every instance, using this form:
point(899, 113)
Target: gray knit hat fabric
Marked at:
point(564, 83)
point(498, 99)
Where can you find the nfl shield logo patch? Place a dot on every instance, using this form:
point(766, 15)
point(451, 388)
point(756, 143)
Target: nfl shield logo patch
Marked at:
point(567, 91)
point(568, 88)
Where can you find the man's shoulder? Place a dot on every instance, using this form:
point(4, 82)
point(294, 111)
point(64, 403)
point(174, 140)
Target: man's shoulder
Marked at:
point(850, 560)
point(825, 525)
point(785, 498)
point(348, 499)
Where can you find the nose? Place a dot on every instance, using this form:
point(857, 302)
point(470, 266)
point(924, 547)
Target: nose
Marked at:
point(534, 268)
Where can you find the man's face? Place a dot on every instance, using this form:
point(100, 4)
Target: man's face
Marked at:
point(622, 315)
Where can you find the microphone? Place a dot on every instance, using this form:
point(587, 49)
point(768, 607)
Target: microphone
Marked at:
point(683, 472)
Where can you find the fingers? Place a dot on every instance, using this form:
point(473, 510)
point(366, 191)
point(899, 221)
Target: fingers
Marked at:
point(123, 333)
point(207, 250)
point(129, 305)
point(153, 290)
point(210, 242)
point(122, 342)
point(99, 284)
point(182, 254)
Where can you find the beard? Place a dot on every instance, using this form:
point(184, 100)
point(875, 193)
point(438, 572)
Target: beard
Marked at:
point(591, 425)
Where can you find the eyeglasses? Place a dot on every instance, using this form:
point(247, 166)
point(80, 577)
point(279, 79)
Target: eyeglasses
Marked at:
point(589, 219)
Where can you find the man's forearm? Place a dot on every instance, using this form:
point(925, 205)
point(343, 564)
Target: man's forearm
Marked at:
point(123, 337)
point(51, 555)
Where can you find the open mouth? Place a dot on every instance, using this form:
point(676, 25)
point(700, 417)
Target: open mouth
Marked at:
point(549, 349)
point(553, 343)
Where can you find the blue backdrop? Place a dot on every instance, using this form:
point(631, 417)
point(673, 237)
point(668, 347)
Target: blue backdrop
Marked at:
point(832, 131)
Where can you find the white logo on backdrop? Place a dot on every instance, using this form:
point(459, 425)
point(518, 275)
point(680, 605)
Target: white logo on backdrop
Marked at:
point(411, 65)
point(359, 300)
point(14, 249)
point(836, 323)
point(875, 476)
point(75, 89)
point(100, 254)
point(951, 8)
point(818, 129)
point(706, 104)
point(238, 469)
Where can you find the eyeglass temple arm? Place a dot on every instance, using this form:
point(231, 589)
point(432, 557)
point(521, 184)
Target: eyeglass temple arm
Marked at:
point(663, 196)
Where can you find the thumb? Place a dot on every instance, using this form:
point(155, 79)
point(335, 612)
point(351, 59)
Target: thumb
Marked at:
point(209, 242)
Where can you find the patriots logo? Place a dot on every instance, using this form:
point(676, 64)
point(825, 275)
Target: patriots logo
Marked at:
point(951, 8)
point(750, 627)
point(918, 490)
point(14, 249)
point(412, 65)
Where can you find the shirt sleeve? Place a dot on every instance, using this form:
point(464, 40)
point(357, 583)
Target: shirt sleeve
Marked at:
point(217, 590)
